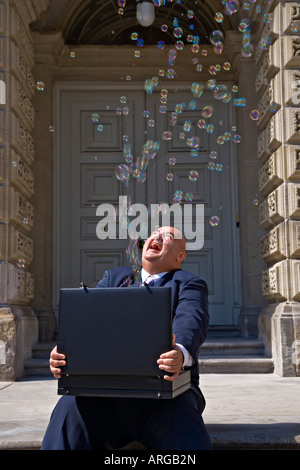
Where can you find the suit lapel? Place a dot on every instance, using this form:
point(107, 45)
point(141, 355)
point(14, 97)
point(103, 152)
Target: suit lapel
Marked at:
point(164, 279)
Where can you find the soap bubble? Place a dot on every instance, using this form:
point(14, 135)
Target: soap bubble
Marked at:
point(172, 161)
point(216, 37)
point(122, 172)
point(170, 73)
point(220, 92)
point(188, 197)
point(21, 263)
point(193, 175)
point(95, 118)
point(201, 123)
point(240, 102)
point(231, 7)
point(255, 115)
point(169, 176)
point(187, 126)
point(177, 196)
point(236, 138)
point(193, 142)
point(207, 111)
point(219, 17)
point(167, 135)
point(178, 32)
point(40, 86)
point(179, 45)
point(214, 221)
point(100, 128)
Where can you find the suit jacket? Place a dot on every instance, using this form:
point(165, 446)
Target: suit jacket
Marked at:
point(189, 305)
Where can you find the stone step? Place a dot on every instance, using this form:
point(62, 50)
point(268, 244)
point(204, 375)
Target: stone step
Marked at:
point(224, 346)
point(220, 355)
point(234, 355)
point(236, 365)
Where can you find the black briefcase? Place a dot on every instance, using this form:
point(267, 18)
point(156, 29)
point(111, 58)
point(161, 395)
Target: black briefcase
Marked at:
point(112, 338)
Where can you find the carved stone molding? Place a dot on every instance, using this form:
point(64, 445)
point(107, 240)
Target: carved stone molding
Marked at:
point(21, 70)
point(21, 211)
point(291, 51)
point(293, 199)
point(291, 87)
point(281, 282)
point(272, 210)
point(292, 159)
point(283, 203)
point(273, 287)
point(17, 285)
point(272, 173)
point(273, 245)
point(269, 102)
point(292, 127)
point(268, 69)
point(21, 104)
point(21, 140)
point(20, 246)
point(3, 205)
point(290, 17)
point(3, 241)
point(21, 176)
point(281, 242)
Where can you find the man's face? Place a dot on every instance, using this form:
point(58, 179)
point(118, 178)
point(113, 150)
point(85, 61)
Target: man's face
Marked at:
point(164, 250)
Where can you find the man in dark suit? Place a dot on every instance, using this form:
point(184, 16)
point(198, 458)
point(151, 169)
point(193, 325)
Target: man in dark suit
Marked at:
point(175, 424)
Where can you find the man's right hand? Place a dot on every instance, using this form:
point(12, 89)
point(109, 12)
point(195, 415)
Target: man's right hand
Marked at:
point(56, 361)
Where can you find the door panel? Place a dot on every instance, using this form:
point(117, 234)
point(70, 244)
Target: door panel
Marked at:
point(215, 262)
point(85, 178)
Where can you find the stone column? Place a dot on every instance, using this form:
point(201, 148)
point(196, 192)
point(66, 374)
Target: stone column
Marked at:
point(47, 50)
point(278, 85)
point(18, 324)
point(248, 167)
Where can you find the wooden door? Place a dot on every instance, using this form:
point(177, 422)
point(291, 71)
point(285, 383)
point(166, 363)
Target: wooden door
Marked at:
point(86, 160)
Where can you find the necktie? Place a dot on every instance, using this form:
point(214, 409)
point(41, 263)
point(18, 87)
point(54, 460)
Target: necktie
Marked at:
point(150, 281)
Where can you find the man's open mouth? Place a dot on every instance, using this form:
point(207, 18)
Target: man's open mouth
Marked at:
point(156, 245)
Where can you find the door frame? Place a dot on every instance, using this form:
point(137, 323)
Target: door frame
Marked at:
point(63, 86)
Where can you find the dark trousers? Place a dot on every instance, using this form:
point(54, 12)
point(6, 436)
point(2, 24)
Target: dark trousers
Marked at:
point(111, 423)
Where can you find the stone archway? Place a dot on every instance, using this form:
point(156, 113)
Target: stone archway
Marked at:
point(26, 172)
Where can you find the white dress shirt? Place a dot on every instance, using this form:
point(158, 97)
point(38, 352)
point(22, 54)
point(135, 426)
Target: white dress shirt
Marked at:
point(188, 360)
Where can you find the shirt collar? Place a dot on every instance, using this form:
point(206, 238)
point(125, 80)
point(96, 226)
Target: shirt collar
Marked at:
point(155, 276)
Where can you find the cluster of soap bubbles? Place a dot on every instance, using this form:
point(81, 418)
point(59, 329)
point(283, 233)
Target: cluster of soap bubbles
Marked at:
point(135, 167)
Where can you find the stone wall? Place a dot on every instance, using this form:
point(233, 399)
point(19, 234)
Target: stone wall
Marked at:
point(18, 324)
point(278, 87)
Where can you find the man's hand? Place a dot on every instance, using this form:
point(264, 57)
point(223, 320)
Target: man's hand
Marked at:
point(56, 361)
point(171, 362)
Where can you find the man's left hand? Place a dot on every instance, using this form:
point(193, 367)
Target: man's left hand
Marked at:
point(171, 362)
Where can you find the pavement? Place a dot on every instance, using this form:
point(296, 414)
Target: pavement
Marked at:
point(243, 411)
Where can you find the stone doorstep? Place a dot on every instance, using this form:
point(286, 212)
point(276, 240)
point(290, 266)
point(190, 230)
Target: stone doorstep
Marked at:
point(217, 355)
point(223, 437)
